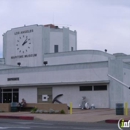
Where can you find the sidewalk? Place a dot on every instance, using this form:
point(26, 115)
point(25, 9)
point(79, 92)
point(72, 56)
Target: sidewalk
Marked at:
point(78, 115)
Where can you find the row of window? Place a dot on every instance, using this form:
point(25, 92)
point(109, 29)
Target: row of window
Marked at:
point(12, 95)
point(91, 88)
point(9, 95)
point(56, 48)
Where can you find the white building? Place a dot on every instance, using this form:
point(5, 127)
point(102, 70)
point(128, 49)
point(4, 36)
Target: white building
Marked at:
point(43, 60)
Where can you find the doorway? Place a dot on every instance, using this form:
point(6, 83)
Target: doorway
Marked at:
point(10, 95)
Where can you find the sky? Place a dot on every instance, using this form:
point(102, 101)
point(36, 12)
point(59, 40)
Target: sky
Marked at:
point(100, 24)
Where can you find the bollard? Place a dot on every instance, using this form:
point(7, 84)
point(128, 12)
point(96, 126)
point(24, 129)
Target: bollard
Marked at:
point(126, 109)
point(70, 107)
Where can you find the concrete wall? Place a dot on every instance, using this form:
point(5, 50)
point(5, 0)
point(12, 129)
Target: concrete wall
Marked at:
point(4, 45)
point(56, 38)
point(13, 46)
point(72, 94)
point(116, 91)
point(46, 40)
point(2, 66)
point(125, 58)
point(72, 41)
point(2, 61)
point(126, 80)
point(77, 57)
point(60, 74)
point(29, 94)
point(64, 38)
point(42, 40)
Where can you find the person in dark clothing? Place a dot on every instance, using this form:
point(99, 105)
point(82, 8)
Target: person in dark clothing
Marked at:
point(22, 104)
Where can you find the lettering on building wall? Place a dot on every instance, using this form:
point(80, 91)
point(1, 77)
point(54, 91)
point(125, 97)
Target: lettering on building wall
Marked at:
point(13, 79)
point(23, 56)
point(21, 32)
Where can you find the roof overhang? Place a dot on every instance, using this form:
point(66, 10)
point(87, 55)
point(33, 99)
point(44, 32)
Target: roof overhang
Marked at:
point(56, 84)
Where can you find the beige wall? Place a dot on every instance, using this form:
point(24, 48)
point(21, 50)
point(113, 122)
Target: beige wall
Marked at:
point(5, 107)
point(47, 106)
point(44, 106)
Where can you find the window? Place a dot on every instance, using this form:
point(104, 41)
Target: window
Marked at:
point(100, 87)
point(72, 48)
point(15, 90)
point(10, 95)
point(55, 48)
point(15, 97)
point(7, 90)
point(7, 97)
point(85, 88)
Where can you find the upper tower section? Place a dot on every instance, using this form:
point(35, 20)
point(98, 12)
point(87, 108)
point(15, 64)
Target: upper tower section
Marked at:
point(59, 39)
point(23, 46)
point(26, 46)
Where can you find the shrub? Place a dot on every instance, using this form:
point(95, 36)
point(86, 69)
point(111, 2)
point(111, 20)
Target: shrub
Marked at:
point(62, 112)
point(51, 111)
point(33, 110)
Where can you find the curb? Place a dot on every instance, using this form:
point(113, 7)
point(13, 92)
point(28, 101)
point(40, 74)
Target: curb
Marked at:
point(18, 117)
point(113, 121)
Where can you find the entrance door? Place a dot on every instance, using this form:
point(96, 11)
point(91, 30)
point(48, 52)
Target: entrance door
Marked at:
point(7, 97)
point(10, 95)
point(15, 97)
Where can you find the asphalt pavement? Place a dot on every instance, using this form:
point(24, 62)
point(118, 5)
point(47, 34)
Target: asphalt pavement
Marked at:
point(8, 124)
point(79, 120)
point(78, 115)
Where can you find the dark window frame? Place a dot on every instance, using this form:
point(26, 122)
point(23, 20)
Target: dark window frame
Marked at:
point(100, 87)
point(72, 49)
point(56, 48)
point(5, 94)
point(86, 88)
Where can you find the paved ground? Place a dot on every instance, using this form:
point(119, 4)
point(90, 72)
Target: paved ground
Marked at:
point(51, 125)
point(78, 115)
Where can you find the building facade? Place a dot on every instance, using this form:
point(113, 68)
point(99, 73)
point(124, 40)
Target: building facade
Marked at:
point(42, 61)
